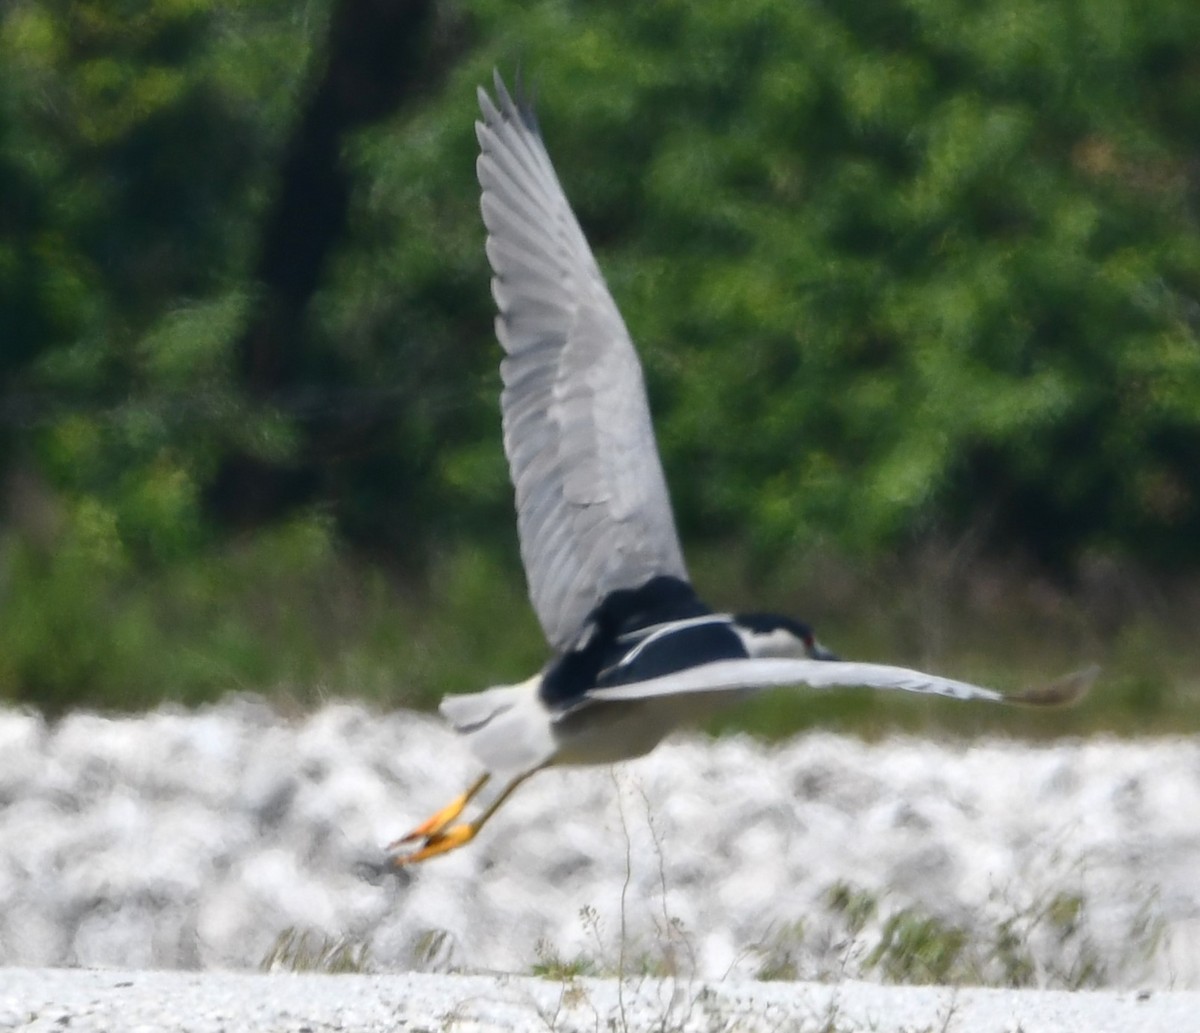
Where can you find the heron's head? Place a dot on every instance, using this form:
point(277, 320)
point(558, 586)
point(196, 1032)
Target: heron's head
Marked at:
point(769, 634)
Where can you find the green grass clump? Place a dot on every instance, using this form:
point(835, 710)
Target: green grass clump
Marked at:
point(1046, 942)
point(306, 950)
point(551, 965)
point(285, 613)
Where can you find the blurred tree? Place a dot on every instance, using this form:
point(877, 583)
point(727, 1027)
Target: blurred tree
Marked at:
point(893, 268)
point(139, 139)
point(378, 55)
point(902, 268)
point(896, 269)
point(137, 143)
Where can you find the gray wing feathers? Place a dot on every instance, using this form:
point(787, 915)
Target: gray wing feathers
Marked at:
point(740, 677)
point(592, 506)
point(737, 677)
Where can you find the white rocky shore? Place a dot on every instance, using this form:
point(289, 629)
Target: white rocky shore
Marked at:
point(179, 840)
point(91, 1001)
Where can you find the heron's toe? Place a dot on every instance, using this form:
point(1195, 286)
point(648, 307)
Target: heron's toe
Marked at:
point(440, 842)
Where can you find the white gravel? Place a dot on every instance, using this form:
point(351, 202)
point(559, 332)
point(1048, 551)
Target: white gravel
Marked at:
point(34, 1000)
point(193, 840)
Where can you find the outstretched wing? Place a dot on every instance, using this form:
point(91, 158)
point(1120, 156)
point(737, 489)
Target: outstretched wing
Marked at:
point(592, 506)
point(740, 677)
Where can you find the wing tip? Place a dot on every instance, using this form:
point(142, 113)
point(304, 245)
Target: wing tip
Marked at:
point(1066, 691)
point(517, 106)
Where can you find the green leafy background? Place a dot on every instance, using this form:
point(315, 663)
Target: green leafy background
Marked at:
point(916, 284)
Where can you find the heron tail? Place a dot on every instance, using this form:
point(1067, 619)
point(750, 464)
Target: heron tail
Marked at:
point(507, 727)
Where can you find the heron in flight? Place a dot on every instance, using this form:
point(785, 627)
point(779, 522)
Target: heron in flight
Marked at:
point(636, 651)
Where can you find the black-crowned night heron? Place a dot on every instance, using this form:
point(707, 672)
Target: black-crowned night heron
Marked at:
point(636, 652)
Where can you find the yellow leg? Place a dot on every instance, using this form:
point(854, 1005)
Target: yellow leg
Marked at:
point(441, 840)
point(436, 824)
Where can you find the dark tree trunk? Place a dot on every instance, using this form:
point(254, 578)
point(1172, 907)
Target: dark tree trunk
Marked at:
point(378, 58)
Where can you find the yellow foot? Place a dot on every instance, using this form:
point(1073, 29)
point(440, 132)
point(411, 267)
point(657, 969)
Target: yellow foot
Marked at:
point(433, 827)
point(438, 843)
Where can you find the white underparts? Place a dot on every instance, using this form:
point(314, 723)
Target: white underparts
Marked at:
point(778, 642)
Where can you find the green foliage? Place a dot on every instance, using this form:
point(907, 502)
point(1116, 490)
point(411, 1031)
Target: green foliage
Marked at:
point(1044, 942)
point(285, 611)
point(550, 965)
point(896, 270)
point(915, 948)
point(83, 626)
point(141, 145)
point(892, 269)
point(306, 950)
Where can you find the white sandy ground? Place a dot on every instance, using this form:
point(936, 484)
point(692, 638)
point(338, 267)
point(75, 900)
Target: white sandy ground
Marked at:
point(180, 840)
point(53, 1000)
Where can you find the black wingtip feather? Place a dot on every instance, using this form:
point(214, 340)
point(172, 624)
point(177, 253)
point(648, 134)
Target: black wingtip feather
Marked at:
point(519, 104)
point(1063, 692)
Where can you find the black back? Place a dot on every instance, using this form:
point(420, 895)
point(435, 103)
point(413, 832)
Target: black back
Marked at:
point(607, 652)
